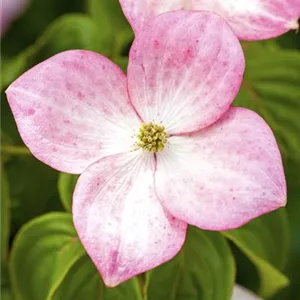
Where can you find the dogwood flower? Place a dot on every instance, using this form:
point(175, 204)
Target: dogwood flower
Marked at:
point(158, 149)
point(10, 10)
point(250, 19)
point(240, 293)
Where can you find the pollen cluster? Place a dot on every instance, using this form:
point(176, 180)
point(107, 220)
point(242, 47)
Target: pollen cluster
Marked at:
point(152, 137)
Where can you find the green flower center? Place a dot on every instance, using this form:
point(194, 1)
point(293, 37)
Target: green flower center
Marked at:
point(152, 137)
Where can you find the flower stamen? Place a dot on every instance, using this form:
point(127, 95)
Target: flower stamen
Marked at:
point(152, 137)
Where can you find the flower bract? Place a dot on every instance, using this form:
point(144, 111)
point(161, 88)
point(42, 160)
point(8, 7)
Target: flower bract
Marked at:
point(249, 19)
point(157, 149)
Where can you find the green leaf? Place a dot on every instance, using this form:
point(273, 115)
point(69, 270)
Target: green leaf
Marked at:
point(265, 241)
point(5, 138)
point(204, 269)
point(74, 31)
point(32, 22)
point(49, 263)
point(271, 87)
point(5, 217)
point(289, 40)
point(6, 143)
point(83, 282)
point(6, 294)
point(114, 26)
point(111, 12)
point(292, 169)
point(43, 252)
point(34, 189)
point(66, 185)
point(122, 62)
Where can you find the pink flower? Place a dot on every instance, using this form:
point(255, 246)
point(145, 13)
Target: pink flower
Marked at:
point(250, 19)
point(240, 293)
point(158, 149)
point(10, 10)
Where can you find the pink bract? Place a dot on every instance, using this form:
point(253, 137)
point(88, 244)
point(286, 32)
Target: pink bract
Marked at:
point(220, 167)
point(250, 19)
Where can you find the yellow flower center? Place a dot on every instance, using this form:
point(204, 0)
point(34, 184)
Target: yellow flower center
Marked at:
point(152, 137)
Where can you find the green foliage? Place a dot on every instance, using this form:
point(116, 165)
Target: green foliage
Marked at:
point(271, 88)
point(5, 217)
point(49, 263)
point(38, 14)
point(83, 282)
point(204, 269)
point(76, 31)
point(115, 28)
point(34, 191)
point(265, 241)
point(5, 140)
point(43, 252)
point(293, 208)
point(6, 294)
point(66, 185)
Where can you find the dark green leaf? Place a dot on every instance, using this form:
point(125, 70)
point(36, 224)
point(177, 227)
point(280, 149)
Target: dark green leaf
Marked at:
point(66, 185)
point(204, 269)
point(290, 40)
point(5, 217)
point(34, 189)
point(292, 169)
point(6, 142)
point(29, 26)
point(271, 87)
point(76, 31)
point(265, 241)
point(83, 282)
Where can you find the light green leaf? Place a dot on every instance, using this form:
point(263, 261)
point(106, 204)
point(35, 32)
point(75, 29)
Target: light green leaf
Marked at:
point(271, 87)
point(204, 269)
point(83, 282)
point(265, 241)
point(43, 252)
point(74, 31)
point(66, 185)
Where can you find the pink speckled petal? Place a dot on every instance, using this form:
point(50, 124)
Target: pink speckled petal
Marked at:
point(255, 19)
point(139, 12)
point(119, 220)
point(240, 293)
point(73, 109)
point(10, 10)
point(224, 175)
point(185, 77)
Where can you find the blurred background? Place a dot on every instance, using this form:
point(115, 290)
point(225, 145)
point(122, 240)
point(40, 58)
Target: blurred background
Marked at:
point(266, 251)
